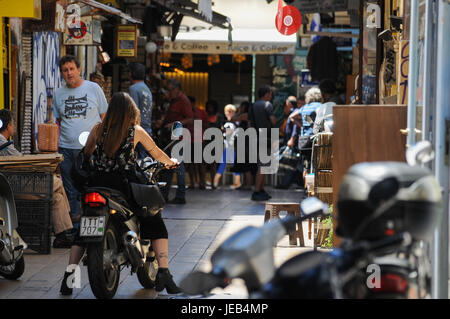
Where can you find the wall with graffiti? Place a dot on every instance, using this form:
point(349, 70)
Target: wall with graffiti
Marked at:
point(46, 74)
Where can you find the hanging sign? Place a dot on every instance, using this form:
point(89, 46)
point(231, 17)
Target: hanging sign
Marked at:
point(288, 19)
point(127, 40)
point(87, 32)
point(225, 47)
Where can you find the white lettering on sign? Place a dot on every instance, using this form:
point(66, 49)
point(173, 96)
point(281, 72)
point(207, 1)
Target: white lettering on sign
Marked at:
point(59, 23)
point(374, 19)
point(74, 16)
point(227, 48)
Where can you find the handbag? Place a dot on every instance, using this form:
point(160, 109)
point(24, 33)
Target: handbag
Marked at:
point(148, 198)
point(80, 171)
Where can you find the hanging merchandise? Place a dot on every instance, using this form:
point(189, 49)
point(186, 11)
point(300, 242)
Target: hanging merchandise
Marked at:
point(239, 58)
point(165, 56)
point(213, 59)
point(288, 19)
point(187, 61)
point(205, 9)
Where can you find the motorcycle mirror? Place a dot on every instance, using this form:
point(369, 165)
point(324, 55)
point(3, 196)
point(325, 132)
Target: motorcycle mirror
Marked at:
point(148, 159)
point(313, 204)
point(420, 153)
point(83, 138)
point(176, 130)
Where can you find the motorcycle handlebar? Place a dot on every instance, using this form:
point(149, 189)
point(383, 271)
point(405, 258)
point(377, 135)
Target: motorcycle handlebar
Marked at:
point(290, 223)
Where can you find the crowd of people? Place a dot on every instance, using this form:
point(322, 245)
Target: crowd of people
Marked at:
point(298, 124)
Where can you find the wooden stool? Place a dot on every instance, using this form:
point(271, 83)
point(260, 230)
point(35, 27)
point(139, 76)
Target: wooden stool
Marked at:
point(273, 211)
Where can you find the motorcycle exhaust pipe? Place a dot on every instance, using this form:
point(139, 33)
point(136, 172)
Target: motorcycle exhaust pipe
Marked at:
point(5, 255)
point(133, 247)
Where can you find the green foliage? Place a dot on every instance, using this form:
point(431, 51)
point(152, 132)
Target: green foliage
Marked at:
point(328, 222)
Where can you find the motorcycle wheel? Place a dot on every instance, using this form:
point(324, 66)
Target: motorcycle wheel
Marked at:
point(14, 271)
point(147, 273)
point(103, 273)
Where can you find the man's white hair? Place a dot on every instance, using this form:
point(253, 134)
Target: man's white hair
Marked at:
point(313, 95)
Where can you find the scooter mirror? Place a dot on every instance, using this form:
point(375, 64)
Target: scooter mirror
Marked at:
point(420, 153)
point(312, 205)
point(177, 130)
point(83, 138)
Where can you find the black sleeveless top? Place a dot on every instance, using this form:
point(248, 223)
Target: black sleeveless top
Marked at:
point(125, 159)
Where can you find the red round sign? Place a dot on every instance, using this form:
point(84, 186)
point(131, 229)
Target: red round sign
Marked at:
point(288, 20)
point(80, 32)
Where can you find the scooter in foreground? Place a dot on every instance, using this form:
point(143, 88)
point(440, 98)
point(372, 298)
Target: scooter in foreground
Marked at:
point(12, 264)
point(386, 210)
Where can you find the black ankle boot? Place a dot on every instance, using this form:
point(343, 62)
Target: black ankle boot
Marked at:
point(164, 280)
point(65, 290)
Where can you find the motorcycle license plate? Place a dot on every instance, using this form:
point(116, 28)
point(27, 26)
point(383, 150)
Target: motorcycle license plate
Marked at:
point(92, 226)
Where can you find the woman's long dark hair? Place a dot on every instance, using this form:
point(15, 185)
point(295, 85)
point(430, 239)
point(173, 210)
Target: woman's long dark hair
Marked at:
point(121, 115)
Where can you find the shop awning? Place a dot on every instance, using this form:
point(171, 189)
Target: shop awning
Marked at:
point(111, 10)
point(254, 32)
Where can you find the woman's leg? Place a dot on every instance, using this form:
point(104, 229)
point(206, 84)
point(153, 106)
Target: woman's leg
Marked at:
point(161, 248)
point(76, 253)
point(163, 277)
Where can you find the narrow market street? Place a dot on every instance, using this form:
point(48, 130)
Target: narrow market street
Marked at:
point(195, 230)
point(185, 121)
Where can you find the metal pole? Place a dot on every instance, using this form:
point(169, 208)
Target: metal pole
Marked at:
point(413, 71)
point(441, 237)
point(253, 77)
point(429, 71)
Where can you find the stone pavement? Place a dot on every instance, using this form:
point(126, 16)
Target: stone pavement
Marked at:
point(195, 231)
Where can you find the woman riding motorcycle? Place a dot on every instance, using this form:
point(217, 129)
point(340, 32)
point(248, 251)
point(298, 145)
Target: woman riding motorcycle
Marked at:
point(112, 144)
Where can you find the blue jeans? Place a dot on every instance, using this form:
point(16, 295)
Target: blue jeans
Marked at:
point(167, 176)
point(71, 191)
point(228, 157)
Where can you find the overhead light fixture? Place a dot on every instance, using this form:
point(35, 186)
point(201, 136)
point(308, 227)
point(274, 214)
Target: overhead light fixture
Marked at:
point(151, 47)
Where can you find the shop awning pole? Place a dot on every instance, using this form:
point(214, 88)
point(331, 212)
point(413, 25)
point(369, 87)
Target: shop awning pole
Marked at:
point(413, 71)
point(442, 132)
point(253, 77)
point(429, 71)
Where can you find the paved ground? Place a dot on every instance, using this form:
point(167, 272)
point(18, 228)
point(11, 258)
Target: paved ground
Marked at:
point(195, 230)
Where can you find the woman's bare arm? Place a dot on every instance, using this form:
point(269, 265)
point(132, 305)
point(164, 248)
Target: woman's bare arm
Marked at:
point(149, 144)
point(91, 141)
